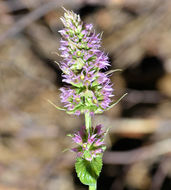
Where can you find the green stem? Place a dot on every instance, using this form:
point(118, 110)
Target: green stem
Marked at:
point(88, 128)
point(92, 187)
point(88, 121)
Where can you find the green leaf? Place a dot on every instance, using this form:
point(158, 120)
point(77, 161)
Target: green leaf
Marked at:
point(87, 154)
point(77, 107)
point(88, 171)
point(77, 85)
point(78, 65)
point(99, 110)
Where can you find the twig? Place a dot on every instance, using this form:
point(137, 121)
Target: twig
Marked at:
point(145, 96)
point(21, 70)
point(160, 174)
point(14, 5)
point(136, 126)
point(148, 152)
point(31, 17)
point(144, 24)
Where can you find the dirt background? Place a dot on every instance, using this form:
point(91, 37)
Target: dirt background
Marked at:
point(137, 38)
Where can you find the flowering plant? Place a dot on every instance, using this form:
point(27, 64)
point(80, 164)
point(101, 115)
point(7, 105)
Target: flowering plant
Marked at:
point(88, 91)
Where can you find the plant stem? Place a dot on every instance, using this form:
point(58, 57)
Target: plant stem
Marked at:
point(92, 187)
point(88, 121)
point(88, 128)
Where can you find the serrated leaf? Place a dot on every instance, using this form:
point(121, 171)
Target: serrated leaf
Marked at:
point(88, 171)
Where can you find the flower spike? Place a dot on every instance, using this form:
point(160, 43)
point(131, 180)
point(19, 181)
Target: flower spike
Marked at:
point(90, 144)
point(87, 87)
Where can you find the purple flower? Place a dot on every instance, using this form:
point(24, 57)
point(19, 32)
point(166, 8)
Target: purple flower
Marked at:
point(90, 145)
point(87, 87)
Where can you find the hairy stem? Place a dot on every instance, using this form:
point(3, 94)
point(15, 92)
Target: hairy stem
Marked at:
point(88, 128)
point(88, 121)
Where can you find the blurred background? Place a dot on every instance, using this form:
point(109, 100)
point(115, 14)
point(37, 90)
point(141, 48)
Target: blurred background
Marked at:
point(137, 38)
